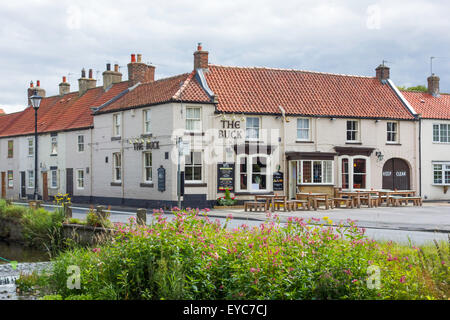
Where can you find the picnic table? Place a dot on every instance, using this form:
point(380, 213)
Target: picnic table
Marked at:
point(270, 200)
point(356, 196)
point(312, 198)
point(387, 194)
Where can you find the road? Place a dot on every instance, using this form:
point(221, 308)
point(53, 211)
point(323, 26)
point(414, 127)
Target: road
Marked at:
point(384, 232)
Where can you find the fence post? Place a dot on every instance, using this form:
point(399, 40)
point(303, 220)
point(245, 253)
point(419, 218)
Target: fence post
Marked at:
point(67, 210)
point(100, 211)
point(141, 216)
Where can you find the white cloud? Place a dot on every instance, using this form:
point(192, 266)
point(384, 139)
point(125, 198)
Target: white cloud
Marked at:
point(48, 39)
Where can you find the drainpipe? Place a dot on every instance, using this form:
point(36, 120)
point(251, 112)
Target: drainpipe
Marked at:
point(419, 116)
point(91, 165)
point(122, 155)
point(283, 155)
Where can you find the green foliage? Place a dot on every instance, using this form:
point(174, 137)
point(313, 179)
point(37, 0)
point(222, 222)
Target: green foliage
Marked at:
point(29, 283)
point(226, 200)
point(418, 88)
point(92, 219)
point(191, 257)
point(77, 221)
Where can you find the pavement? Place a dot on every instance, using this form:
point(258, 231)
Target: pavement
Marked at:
point(431, 217)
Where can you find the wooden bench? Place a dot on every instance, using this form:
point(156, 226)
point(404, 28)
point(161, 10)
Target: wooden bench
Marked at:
point(322, 200)
point(347, 201)
point(256, 205)
point(373, 202)
point(396, 201)
point(294, 204)
point(277, 204)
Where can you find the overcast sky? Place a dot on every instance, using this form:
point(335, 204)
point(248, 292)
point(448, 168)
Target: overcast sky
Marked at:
point(47, 39)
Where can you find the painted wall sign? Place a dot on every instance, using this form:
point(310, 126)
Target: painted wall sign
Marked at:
point(147, 146)
point(400, 173)
point(387, 173)
point(231, 129)
point(225, 176)
point(161, 179)
point(278, 181)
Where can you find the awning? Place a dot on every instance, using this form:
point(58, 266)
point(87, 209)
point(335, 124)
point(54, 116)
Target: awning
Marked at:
point(293, 155)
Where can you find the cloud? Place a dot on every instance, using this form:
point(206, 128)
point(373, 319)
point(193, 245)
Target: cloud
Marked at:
point(47, 39)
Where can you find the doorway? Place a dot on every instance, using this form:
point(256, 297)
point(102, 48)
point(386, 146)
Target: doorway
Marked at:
point(23, 187)
point(3, 185)
point(396, 174)
point(69, 181)
point(44, 186)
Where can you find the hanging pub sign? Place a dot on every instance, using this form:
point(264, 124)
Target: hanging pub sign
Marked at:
point(143, 144)
point(225, 177)
point(278, 181)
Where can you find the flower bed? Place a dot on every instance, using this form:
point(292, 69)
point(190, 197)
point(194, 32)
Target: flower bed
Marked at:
point(192, 257)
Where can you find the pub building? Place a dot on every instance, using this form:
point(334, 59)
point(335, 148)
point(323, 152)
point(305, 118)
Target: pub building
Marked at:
point(251, 130)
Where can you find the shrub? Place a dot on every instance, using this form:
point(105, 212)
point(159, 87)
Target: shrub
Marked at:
point(191, 257)
point(226, 200)
point(92, 219)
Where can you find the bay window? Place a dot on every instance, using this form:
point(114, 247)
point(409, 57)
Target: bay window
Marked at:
point(441, 173)
point(315, 172)
point(354, 172)
point(252, 172)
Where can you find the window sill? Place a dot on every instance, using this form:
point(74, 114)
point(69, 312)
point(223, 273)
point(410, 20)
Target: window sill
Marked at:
point(393, 144)
point(194, 133)
point(353, 142)
point(303, 141)
point(440, 185)
point(146, 184)
point(146, 135)
point(116, 138)
point(53, 155)
point(316, 184)
point(244, 193)
point(116, 184)
point(195, 185)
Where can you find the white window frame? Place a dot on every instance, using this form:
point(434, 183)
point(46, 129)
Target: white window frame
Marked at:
point(145, 167)
point(117, 167)
point(54, 145)
point(357, 130)
point(323, 164)
point(247, 129)
point(201, 165)
point(54, 182)
point(80, 179)
point(10, 182)
point(445, 167)
point(300, 129)
point(30, 179)
point(393, 132)
point(117, 124)
point(439, 137)
point(190, 119)
point(350, 171)
point(147, 121)
point(249, 173)
point(31, 147)
point(80, 144)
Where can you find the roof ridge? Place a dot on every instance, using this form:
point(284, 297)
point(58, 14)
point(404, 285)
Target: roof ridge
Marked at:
point(293, 70)
point(168, 78)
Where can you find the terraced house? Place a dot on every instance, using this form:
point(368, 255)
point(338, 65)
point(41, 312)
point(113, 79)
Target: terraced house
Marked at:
point(251, 130)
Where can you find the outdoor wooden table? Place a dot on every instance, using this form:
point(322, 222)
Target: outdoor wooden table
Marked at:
point(388, 193)
point(268, 198)
point(312, 198)
point(356, 195)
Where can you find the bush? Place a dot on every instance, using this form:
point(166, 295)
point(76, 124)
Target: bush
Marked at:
point(92, 219)
point(191, 257)
point(226, 200)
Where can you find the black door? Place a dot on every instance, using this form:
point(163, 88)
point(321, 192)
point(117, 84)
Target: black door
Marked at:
point(23, 188)
point(69, 181)
point(396, 174)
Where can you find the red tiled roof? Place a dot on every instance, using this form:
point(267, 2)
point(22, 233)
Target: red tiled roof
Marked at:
point(159, 91)
point(1, 111)
point(430, 107)
point(58, 113)
point(262, 90)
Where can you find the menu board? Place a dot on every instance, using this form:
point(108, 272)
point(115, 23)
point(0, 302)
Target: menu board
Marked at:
point(225, 176)
point(278, 181)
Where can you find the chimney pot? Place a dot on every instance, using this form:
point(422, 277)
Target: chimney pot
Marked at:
point(83, 73)
point(116, 68)
point(108, 66)
point(64, 87)
point(38, 90)
point(38, 83)
point(133, 58)
point(139, 58)
point(199, 46)
point(31, 84)
point(64, 79)
point(90, 74)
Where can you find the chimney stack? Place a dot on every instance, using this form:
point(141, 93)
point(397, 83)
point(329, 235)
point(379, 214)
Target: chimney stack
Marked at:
point(84, 83)
point(32, 90)
point(64, 87)
point(433, 85)
point(382, 73)
point(200, 58)
point(111, 77)
point(139, 71)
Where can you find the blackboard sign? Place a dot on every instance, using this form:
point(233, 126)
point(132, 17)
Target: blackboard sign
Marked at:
point(225, 176)
point(161, 179)
point(278, 181)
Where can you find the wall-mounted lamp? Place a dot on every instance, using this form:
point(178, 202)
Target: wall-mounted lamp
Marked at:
point(377, 120)
point(379, 155)
point(332, 119)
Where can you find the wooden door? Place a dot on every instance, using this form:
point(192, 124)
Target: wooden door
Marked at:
point(3, 185)
point(396, 174)
point(23, 188)
point(69, 181)
point(44, 186)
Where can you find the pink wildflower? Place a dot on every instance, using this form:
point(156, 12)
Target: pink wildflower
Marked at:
point(402, 279)
point(96, 250)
